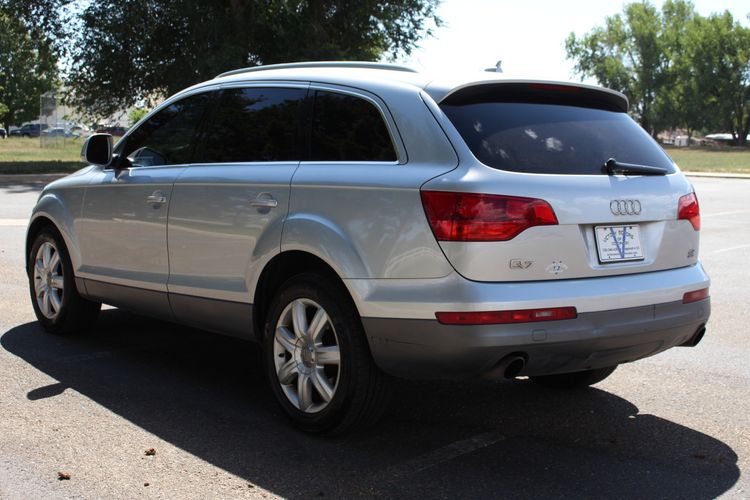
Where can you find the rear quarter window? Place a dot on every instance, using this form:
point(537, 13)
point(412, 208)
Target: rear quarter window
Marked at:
point(544, 138)
point(348, 128)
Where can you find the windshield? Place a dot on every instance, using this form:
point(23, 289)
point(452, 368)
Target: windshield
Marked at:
point(552, 138)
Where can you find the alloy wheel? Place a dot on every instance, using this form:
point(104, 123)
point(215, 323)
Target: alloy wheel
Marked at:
point(48, 280)
point(306, 355)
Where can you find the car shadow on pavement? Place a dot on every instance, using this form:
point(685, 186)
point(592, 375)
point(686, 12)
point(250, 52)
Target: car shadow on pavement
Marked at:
point(205, 394)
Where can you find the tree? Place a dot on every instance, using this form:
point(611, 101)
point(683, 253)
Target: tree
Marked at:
point(133, 51)
point(720, 55)
point(678, 69)
point(625, 55)
point(27, 70)
point(679, 102)
point(136, 114)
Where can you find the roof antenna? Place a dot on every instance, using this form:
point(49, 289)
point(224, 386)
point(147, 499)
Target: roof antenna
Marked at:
point(497, 69)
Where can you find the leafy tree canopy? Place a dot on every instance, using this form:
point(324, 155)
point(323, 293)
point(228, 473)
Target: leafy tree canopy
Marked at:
point(678, 69)
point(131, 51)
point(27, 70)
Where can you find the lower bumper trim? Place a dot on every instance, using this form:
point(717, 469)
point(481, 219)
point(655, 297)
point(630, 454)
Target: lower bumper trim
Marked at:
point(426, 349)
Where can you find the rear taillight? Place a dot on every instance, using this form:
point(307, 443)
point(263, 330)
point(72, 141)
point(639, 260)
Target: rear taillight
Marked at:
point(695, 296)
point(505, 317)
point(688, 209)
point(483, 217)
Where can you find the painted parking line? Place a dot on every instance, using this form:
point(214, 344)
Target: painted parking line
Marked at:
point(729, 249)
point(731, 212)
point(14, 222)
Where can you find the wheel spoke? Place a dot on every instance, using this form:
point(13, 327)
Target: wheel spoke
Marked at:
point(321, 383)
point(304, 391)
point(287, 372)
point(319, 321)
point(54, 261)
point(54, 300)
point(44, 303)
point(328, 355)
point(39, 267)
point(46, 255)
point(299, 319)
point(39, 286)
point(285, 338)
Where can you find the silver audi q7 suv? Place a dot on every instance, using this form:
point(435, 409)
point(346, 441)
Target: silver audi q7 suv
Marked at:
point(362, 221)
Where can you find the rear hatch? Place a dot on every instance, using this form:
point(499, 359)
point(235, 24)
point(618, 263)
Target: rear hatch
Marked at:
point(557, 182)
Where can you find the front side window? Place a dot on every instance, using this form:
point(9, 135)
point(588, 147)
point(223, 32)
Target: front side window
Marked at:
point(253, 125)
point(348, 128)
point(167, 137)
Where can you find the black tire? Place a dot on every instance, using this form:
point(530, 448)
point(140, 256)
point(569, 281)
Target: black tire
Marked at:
point(360, 389)
point(74, 313)
point(575, 380)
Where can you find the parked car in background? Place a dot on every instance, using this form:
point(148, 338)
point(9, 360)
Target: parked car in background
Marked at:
point(117, 130)
point(29, 130)
point(362, 219)
point(56, 132)
point(79, 131)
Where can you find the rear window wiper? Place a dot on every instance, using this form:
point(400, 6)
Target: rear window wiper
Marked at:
point(614, 167)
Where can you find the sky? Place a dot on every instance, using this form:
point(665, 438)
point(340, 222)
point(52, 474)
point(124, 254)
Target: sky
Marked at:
point(527, 35)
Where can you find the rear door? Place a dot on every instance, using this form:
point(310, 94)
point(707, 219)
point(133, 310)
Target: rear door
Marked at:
point(228, 206)
point(534, 147)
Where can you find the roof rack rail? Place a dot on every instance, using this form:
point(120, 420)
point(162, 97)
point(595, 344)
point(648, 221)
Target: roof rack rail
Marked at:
point(323, 64)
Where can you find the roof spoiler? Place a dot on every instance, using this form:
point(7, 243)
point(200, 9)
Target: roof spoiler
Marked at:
point(538, 92)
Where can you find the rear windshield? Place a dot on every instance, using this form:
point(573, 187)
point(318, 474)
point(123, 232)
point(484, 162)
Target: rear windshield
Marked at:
point(542, 138)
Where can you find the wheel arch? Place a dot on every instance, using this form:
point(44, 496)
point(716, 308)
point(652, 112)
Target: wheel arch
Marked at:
point(54, 209)
point(35, 227)
point(281, 268)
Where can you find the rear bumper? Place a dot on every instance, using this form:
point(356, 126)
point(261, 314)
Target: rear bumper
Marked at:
point(426, 349)
point(620, 319)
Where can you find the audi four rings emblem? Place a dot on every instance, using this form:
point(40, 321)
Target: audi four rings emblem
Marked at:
point(625, 207)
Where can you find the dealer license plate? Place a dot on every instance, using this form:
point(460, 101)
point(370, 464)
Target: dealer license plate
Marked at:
point(618, 243)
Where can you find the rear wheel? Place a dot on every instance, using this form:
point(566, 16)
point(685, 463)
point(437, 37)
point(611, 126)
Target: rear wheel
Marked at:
point(574, 380)
point(57, 304)
point(317, 358)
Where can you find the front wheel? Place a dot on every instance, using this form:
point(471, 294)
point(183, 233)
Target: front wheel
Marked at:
point(575, 380)
point(317, 358)
point(57, 304)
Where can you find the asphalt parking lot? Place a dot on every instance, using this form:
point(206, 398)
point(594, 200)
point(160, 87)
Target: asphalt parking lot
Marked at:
point(673, 426)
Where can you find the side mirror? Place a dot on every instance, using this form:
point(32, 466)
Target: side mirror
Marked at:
point(97, 149)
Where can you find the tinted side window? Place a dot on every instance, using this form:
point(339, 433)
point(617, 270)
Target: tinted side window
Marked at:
point(347, 128)
point(167, 137)
point(254, 124)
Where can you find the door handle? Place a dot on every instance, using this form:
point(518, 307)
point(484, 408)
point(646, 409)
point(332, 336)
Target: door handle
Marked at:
point(264, 200)
point(157, 198)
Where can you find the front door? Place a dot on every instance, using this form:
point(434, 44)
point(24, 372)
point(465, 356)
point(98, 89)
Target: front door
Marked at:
point(124, 255)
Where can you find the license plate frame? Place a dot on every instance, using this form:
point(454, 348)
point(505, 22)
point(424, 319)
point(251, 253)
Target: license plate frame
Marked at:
point(618, 243)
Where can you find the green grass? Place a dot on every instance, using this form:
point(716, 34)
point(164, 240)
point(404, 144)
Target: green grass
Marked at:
point(733, 160)
point(26, 156)
point(19, 155)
